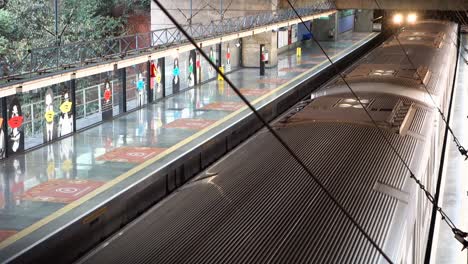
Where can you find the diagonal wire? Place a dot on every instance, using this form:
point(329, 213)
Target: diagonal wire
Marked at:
point(276, 135)
point(461, 149)
point(459, 235)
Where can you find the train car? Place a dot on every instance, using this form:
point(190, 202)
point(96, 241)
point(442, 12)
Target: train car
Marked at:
point(257, 205)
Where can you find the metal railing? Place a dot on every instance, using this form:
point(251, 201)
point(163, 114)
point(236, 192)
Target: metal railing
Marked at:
point(58, 58)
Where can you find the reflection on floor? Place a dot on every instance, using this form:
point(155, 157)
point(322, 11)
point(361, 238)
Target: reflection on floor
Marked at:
point(40, 182)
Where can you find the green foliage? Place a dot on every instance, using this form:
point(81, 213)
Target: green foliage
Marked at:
point(26, 24)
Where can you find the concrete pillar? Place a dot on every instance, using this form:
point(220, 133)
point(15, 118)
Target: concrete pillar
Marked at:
point(251, 49)
point(321, 27)
point(363, 20)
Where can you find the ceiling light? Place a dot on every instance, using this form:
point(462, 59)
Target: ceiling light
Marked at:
point(397, 19)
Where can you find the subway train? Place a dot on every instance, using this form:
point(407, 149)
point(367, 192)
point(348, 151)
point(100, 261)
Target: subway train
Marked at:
point(257, 205)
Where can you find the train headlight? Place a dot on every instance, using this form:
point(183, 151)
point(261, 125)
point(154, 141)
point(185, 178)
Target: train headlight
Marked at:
point(397, 19)
point(412, 18)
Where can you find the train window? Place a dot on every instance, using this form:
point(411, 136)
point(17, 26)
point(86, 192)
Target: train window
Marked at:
point(414, 38)
point(350, 102)
point(382, 73)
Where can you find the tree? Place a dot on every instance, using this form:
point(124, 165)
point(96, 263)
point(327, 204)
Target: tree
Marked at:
point(25, 24)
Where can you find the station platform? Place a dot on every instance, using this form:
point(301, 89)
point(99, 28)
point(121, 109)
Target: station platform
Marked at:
point(69, 184)
point(454, 186)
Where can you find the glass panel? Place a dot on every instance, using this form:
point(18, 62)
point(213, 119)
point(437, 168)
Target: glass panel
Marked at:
point(15, 125)
point(116, 86)
point(169, 73)
point(230, 55)
point(136, 85)
point(156, 78)
point(207, 72)
point(88, 104)
point(43, 118)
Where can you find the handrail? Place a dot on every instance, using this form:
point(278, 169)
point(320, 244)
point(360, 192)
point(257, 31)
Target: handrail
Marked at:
point(77, 54)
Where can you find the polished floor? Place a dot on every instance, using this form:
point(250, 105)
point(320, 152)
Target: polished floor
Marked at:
point(454, 199)
point(47, 188)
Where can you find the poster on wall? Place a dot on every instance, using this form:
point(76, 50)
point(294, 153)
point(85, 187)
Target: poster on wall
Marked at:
point(293, 34)
point(176, 76)
point(192, 70)
point(198, 71)
point(107, 100)
point(65, 124)
point(213, 59)
point(228, 58)
point(156, 78)
point(2, 139)
point(15, 131)
point(50, 132)
point(140, 89)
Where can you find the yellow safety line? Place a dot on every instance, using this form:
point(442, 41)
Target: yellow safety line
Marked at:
point(145, 164)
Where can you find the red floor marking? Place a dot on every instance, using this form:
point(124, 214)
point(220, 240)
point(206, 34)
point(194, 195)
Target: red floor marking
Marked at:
point(272, 81)
point(60, 191)
point(4, 234)
point(223, 106)
point(130, 154)
point(255, 92)
point(316, 56)
point(190, 123)
point(311, 61)
point(332, 50)
point(294, 69)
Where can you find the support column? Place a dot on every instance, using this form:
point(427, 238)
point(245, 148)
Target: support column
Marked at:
point(219, 55)
point(251, 49)
point(363, 22)
point(162, 64)
point(262, 61)
point(323, 27)
point(73, 100)
point(123, 97)
point(149, 91)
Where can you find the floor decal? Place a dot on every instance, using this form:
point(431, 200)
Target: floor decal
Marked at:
point(190, 123)
point(254, 92)
point(293, 69)
point(4, 234)
point(223, 106)
point(272, 81)
point(304, 62)
point(60, 191)
point(130, 154)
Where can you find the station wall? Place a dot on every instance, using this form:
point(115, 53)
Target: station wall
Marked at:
point(40, 116)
